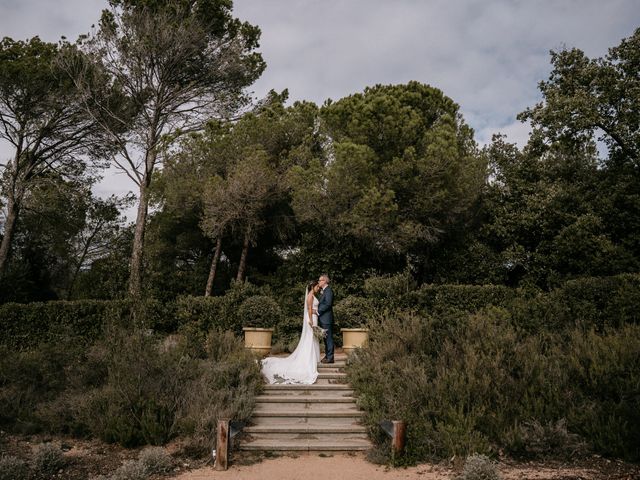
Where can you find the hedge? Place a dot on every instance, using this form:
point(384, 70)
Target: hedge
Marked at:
point(598, 302)
point(26, 325)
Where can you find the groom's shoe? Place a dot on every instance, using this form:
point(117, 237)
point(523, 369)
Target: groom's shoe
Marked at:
point(326, 360)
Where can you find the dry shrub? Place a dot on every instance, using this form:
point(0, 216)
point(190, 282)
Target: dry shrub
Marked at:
point(552, 439)
point(12, 468)
point(47, 460)
point(129, 470)
point(155, 460)
point(479, 467)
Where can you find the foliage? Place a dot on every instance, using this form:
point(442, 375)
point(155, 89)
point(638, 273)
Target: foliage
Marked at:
point(175, 64)
point(468, 298)
point(206, 313)
point(226, 385)
point(47, 460)
point(129, 470)
point(606, 367)
point(479, 467)
point(44, 124)
point(474, 380)
point(259, 311)
point(155, 460)
point(388, 287)
point(353, 312)
point(399, 167)
point(132, 387)
point(12, 468)
point(583, 96)
point(143, 391)
point(531, 439)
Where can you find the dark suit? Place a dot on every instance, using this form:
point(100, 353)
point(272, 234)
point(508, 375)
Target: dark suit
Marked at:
point(325, 320)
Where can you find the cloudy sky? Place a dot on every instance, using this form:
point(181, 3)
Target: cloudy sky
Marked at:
point(487, 55)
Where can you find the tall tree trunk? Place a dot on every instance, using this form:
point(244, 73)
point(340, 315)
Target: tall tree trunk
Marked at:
point(135, 275)
point(13, 208)
point(214, 266)
point(243, 257)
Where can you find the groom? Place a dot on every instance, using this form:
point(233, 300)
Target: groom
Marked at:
point(325, 317)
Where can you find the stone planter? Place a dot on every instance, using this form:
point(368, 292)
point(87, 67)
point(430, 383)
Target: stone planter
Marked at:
point(353, 338)
point(258, 340)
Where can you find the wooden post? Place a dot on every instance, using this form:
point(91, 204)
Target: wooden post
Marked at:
point(398, 437)
point(222, 445)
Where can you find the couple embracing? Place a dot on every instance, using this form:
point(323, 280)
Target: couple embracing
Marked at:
point(302, 365)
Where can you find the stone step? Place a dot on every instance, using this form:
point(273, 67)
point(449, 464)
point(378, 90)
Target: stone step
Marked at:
point(305, 406)
point(310, 428)
point(323, 417)
point(304, 399)
point(306, 422)
point(335, 364)
point(344, 392)
point(351, 413)
point(331, 381)
point(309, 445)
point(330, 370)
point(293, 437)
point(306, 388)
point(332, 375)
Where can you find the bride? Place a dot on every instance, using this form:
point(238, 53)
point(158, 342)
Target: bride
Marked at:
point(302, 365)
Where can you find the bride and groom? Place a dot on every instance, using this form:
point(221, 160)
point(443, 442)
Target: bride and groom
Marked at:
point(302, 365)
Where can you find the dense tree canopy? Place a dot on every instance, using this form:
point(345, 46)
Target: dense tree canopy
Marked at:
point(386, 180)
point(44, 124)
point(177, 63)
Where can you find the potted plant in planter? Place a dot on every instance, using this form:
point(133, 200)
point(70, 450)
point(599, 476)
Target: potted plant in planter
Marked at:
point(352, 313)
point(258, 315)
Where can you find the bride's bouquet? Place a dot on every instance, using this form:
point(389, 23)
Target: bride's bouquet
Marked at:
point(319, 333)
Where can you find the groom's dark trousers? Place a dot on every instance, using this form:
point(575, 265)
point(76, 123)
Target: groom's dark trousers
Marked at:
point(325, 320)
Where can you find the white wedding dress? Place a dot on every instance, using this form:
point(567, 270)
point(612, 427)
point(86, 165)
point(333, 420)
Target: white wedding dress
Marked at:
point(302, 365)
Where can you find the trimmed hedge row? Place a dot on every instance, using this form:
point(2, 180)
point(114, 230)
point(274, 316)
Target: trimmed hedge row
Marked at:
point(471, 298)
point(26, 325)
point(599, 302)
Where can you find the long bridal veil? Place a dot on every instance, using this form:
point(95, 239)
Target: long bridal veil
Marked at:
point(302, 365)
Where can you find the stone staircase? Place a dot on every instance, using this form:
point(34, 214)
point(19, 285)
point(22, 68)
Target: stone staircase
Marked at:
point(322, 417)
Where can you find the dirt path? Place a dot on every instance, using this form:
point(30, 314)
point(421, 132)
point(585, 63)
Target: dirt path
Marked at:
point(355, 467)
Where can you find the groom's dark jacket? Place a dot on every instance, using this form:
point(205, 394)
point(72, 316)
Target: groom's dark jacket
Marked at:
point(325, 307)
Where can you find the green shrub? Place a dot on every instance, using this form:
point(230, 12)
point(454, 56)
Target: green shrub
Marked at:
point(31, 378)
point(47, 460)
point(225, 386)
point(605, 368)
point(479, 467)
point(467, 298)
point(459, 381)
point(475, 383)
point(389, 289)
point(287, 331)
point(143, 391)
point(353, 312)
point(259, 311)
point(26, 325)
point(12, 468)
point(208, 313)
point(600, 302)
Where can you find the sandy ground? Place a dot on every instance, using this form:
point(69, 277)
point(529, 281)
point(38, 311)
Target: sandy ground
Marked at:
point(355, 467)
